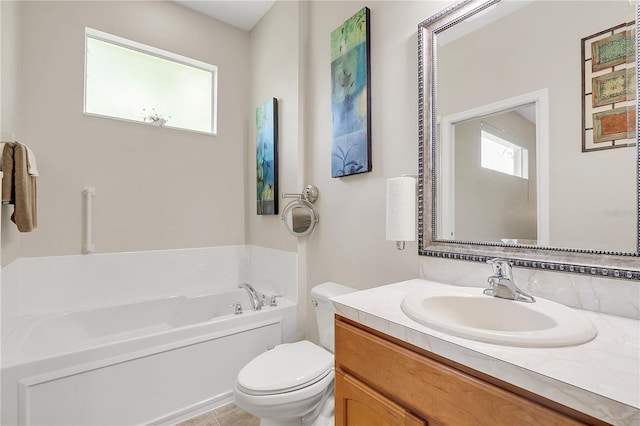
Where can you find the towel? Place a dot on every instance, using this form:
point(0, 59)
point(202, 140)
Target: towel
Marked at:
point(19, 187)
point(7, 170)
point(2, 144)
point(31, 162)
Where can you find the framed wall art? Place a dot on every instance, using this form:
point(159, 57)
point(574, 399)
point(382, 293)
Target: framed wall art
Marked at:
point(267, 157)
point(351, 96)
point(608, 89)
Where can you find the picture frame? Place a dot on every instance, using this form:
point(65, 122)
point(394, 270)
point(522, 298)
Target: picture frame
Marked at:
point(615, 49)
point(609, 88)
point(351, 96)
point(613, 87)
point(267, 158)
point(614, 124)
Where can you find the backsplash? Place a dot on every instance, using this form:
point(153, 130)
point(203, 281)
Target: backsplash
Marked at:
point(609, 296)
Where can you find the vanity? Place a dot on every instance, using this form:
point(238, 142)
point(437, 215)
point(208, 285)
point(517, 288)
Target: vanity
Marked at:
point(393, 370)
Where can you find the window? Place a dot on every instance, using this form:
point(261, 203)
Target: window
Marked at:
point(499, 153)
point(132, 81)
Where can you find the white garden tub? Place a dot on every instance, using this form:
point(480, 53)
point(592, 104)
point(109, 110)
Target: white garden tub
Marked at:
point(149, 362)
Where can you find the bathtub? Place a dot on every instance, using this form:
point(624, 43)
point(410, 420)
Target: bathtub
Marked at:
point(146, 362)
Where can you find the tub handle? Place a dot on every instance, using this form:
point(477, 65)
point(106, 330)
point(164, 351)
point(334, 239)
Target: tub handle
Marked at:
point(237, 306)
point(274, 302)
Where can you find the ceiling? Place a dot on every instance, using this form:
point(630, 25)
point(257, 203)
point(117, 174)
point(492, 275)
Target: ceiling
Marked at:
point(243, 14)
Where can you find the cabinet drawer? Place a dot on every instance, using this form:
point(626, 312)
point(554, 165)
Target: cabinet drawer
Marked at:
point(431, 389)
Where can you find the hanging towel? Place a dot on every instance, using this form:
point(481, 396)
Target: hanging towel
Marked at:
point(2, 144)
point(7, 170)
point(31, 162)
point(19, 187)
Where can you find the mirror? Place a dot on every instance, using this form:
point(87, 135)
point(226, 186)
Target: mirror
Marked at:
point(299, 218)
point(528, 140)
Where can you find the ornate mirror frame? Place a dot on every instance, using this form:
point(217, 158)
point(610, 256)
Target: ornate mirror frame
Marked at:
point(620, 265)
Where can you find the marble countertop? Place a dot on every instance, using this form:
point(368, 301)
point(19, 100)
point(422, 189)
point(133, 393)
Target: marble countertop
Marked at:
point(600, 378)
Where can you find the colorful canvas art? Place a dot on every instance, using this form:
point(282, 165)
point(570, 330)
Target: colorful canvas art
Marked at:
point(350, 96)
point(267, 157)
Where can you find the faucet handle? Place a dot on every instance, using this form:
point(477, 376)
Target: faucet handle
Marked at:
point(237, 306)
point(501, 267)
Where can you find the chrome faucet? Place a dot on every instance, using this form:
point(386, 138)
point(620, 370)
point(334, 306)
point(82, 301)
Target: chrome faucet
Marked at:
point(502, 284)
point(256, 303)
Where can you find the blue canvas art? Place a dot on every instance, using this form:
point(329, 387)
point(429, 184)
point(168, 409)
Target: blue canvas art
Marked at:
point(350, 97)
point(267, 157)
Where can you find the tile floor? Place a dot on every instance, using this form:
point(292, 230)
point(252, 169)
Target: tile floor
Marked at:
point(227, 415)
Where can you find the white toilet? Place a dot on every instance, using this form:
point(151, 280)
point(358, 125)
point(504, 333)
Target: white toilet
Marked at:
point(292, 384)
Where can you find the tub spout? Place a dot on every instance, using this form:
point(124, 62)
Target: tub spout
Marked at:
point(256, 304)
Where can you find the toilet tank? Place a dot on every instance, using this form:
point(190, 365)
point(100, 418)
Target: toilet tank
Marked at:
point(325, 311)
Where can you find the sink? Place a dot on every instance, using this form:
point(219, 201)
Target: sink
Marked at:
point(467, 312)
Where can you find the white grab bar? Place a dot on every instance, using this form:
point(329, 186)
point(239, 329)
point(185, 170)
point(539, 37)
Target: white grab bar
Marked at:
point(88, 193)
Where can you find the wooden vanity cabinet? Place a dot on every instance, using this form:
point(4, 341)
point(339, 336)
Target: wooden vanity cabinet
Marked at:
point(383, 381)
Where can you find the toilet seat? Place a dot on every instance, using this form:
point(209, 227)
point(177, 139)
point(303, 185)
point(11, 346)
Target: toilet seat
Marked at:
point(285, 368)
point(286, 405)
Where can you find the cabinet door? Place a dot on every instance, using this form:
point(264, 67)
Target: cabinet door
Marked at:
point(359, 405)
point(436, 391)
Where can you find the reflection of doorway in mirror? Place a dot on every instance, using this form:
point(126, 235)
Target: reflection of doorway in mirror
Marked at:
point(481, 206)
point(609, 89)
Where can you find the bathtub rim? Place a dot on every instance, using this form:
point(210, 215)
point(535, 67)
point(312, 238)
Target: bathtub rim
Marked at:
point(12, 357)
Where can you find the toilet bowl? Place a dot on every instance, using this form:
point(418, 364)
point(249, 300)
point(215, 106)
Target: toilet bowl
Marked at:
point(292, 383)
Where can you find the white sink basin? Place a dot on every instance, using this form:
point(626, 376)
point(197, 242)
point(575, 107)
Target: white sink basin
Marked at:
point(467, 312)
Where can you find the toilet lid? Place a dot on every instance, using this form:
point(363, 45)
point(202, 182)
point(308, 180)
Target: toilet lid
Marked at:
point(285, 368)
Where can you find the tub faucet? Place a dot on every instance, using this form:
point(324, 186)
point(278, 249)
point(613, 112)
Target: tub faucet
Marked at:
point(502, 284)
point(256, 303)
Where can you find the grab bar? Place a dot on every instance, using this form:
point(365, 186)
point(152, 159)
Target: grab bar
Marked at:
point(88, 246)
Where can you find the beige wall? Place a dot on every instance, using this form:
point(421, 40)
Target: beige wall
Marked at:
point(155, 188)
point(274, 57)
point(161, 188)
point(278, 52)
point(349, 245)
point(9, 105)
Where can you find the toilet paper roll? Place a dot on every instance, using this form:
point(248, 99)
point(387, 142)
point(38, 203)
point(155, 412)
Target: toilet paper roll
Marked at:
point(401, 209)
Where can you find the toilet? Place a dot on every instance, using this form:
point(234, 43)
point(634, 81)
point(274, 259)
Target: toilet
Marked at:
point(292, 384)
